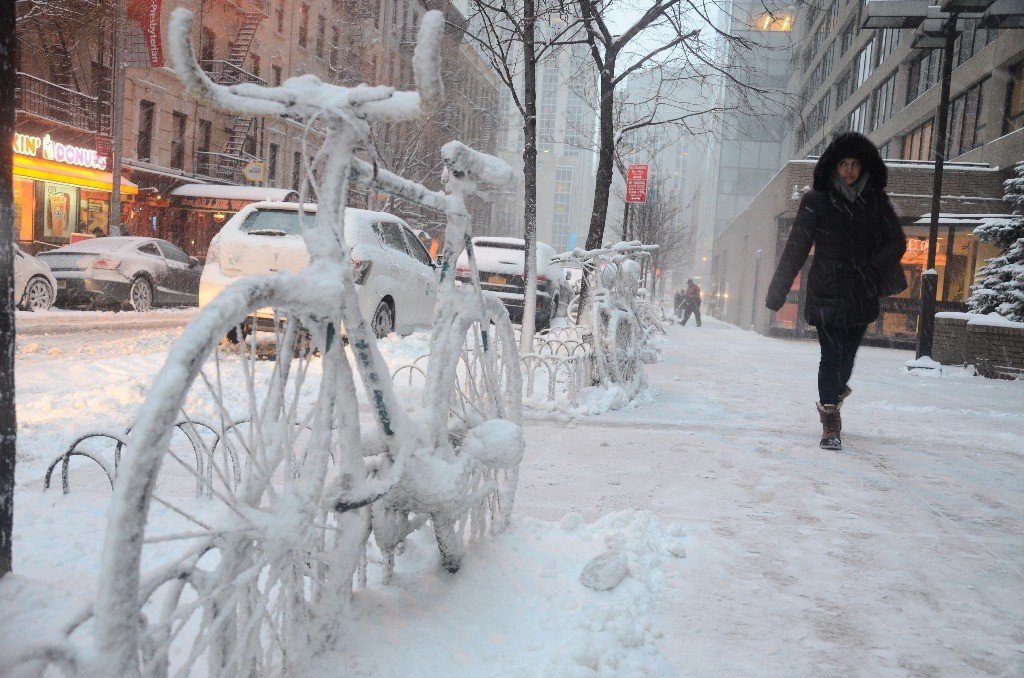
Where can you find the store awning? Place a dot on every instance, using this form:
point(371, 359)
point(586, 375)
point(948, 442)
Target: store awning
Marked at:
point(235, 193)
point(47, 170)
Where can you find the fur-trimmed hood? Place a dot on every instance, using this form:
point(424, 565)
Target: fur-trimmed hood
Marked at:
point(851, 145)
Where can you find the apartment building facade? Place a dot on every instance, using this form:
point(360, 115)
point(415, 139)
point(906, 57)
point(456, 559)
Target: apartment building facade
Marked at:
point(874, 82)
point(172, 143)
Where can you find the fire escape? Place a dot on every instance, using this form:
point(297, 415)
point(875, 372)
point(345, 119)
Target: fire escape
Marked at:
point(228, 165)
point(61, 97)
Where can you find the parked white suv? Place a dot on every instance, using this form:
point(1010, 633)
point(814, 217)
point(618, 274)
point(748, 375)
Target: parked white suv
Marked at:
point(35, 288)
point(396, 279)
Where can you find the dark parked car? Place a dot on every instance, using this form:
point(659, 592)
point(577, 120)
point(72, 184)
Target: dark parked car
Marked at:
point(137, 273)
point(501, 264)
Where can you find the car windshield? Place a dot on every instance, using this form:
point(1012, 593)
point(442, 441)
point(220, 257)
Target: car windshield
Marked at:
point(274, 222)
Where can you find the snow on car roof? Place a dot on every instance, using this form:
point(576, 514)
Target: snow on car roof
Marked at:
point(105, 243)
point(350, 212)
point(219, 191)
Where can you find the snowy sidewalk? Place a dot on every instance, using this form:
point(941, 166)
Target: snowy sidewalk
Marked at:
point(900, 555)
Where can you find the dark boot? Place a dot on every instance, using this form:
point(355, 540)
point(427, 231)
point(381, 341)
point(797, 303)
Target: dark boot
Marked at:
point(832, 426)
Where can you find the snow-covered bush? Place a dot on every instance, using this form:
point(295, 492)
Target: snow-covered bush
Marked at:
point(1000, 284)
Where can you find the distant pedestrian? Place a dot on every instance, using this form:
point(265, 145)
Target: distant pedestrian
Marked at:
point(858, 244)
point(691, 301)
point(677, 304)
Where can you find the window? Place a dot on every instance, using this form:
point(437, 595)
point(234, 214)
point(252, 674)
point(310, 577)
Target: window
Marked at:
point(859, 117)
point(150, 249)
point(415, 247)
point(321, 35)
point(335, 55)
point(391, 235)
point(144, 142)
point(883, 97)
point(303, 25)
point(279, 16)
point(774, 22)
point(966, 125)
point(272, 153)
point(972, 39)
point(844, 87)
point(173, 253)
point(208, 45)
point(865, 63)
point(888, 40)
point(178, 140)
point(917, 143)
point(561, 221)
point(276, 70)
point(296, 170)
point(255, 64)
point(203, 147)
point(846, 39)
point(924, 72)
point(1013, 118)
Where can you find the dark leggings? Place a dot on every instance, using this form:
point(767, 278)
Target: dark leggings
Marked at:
point(838, 349)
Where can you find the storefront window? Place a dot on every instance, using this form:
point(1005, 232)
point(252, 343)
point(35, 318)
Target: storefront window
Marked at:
point(60, 210)
point(24, 209)
point(94, 213)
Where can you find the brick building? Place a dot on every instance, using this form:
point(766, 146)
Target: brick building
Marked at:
point(171, 142)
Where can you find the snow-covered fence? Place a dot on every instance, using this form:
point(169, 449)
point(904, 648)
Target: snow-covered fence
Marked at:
point(202, 453)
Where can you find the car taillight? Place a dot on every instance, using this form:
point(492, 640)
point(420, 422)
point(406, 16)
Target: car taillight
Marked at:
point(462, 269)
point(106, 263)
point(361, 270)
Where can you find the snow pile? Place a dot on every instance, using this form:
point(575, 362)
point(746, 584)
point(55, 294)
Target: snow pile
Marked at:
point(520, 600)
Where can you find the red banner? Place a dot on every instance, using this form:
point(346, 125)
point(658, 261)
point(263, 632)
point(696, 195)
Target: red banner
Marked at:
point(636, 183)
point(144, 46)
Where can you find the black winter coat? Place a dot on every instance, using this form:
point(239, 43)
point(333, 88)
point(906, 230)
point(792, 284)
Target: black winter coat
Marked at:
point(857, 252)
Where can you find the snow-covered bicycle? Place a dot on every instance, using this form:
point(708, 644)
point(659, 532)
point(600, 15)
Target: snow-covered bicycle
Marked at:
point(255, 575)
point(620, 332)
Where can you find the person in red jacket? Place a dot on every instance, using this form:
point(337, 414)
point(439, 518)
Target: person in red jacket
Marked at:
point(691, 301)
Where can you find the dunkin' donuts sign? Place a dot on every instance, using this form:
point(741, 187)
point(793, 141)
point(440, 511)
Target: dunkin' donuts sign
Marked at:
point(48, 149)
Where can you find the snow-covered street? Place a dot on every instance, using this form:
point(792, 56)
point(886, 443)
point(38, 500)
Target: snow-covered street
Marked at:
point(752, 551)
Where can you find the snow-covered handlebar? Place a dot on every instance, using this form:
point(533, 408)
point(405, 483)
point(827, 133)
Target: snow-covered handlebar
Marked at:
point(307, 96)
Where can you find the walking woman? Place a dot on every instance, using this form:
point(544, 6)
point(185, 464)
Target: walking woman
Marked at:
point(858, 244)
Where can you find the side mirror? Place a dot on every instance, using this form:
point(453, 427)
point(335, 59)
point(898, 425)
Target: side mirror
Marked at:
point(193, 262)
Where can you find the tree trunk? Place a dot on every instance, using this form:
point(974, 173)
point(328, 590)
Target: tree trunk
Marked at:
point(529, 175)
point(8, 420)
point(605, 157)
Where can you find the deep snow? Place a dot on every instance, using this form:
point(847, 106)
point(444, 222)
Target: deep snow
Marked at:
point(750, 550)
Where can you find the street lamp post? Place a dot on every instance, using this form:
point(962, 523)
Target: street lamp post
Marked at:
point(937, 28)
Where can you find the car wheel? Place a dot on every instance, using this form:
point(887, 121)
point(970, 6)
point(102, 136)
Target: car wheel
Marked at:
point(38, 295)
point(140, 296)
point(383, 322)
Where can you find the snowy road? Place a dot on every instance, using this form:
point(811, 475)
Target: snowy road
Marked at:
point(901, 555)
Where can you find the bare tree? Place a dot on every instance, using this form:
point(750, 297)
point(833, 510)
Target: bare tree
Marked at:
point(506, 34)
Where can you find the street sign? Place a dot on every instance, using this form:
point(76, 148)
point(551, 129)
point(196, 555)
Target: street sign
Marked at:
point(253, 171)
point(636, 183)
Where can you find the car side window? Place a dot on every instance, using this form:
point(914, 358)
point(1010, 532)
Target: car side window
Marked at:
point(173, 253)
point(150, 249)
point(391, 233)
point(416, 248)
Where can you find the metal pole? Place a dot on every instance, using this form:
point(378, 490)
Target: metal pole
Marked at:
point(625, 221)
point(8, 418)
point(930, 279)
point(117, 120)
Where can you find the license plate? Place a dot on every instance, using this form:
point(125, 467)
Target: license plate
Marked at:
point(496, 280)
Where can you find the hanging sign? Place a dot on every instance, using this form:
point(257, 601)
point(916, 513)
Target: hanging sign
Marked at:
point(636, 183)
point(144, 46)
point(253, 171)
